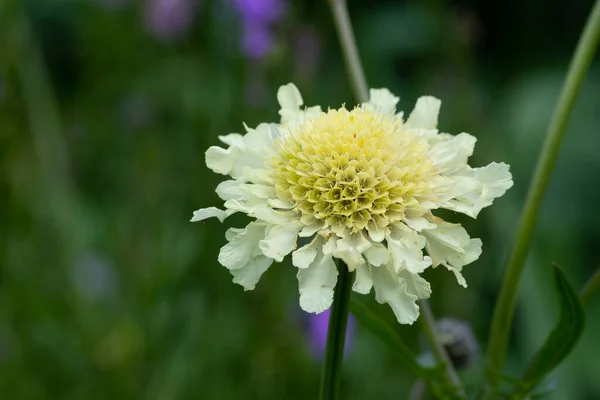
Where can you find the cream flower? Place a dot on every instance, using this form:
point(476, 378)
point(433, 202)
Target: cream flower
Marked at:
point(358, 185)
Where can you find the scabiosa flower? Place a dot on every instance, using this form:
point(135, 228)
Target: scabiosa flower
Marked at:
point(358, 185)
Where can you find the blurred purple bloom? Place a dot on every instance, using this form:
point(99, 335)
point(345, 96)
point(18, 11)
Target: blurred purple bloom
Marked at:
point(169, 19)
point(258, 18)
point(317, 333)
point(257, 40)
point(260, 11)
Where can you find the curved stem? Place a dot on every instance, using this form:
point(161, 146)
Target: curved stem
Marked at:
point(590, 287)
point(503, 314)
point(355, 69)
point(428, 325)
point(331, 378)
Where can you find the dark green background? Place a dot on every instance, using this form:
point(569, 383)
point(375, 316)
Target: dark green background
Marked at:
point(107, 291)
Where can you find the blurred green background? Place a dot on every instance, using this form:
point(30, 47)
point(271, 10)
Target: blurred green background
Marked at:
point(106, 110)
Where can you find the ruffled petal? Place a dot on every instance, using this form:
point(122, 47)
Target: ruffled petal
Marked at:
point(425, 114)
point(415, 284)
point(377, 255)
point(316, 284)
point(405, 247)
point(485, 183)
point(348, 249)
point(391, 289)
point(280, 240)
point(242, 246)
point(209, 212)
point(304, 256)
point(363, 282)
point(290, 101)
point(382, 100)
point(452, 154)
point(249, 275)
point(220, 160)
point(450, 245)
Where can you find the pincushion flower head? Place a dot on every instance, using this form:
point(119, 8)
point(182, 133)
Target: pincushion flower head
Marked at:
point(361, 185)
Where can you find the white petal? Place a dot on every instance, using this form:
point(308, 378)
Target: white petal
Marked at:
point(242, 245)
point(382, 100)
point(350, 250)
point(233, 139)
point(204, 213)
point(377, 255)
point(220, 160)
point(363, 281)
point(405, 247)
point(311, 229)
point(290, 100)
point(231, 189)
point(450, 245)
point(495, 178)
point(491, 181)
point(304, 256)
point(425, 114)
point(280, 204)
point(280, 240)
point(394, 291)
point(274, 217)
point(249, 275)
point(376, 233)
point(316, 284)
point(416, 285)
point(451, 154)
point(418, 223)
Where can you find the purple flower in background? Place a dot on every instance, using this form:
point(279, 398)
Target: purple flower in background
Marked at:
point(258, 18)
point(260, 11)
point(169, 20)
point(317, 333)
point(257, 40)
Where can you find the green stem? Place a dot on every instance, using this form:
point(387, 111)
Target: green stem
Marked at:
point(331, 379)
point(346, 35)
point(503, 314)
point(428, 325)
point(590, 287)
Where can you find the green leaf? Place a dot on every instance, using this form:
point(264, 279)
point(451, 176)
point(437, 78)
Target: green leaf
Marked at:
point(561, 340)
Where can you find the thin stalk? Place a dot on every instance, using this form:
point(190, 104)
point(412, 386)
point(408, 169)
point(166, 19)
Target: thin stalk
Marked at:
point(428, 325)
point(331, 378)
point(356, 73)
point(503, 314)
point(590, 287)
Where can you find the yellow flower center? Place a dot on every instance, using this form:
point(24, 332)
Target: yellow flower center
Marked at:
point(349, 169)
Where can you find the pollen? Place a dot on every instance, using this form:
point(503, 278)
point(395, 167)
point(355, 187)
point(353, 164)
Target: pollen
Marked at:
point(352, 169)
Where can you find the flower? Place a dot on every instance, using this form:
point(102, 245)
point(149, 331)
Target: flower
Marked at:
point(257, 20)
point(358, 185)
point(169, 20)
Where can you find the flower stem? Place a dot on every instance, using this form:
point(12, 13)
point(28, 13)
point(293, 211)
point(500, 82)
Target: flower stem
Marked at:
point(428, 325)
point(505, 307)
point(590, 287)
point(331, 378)
point(346, 35)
